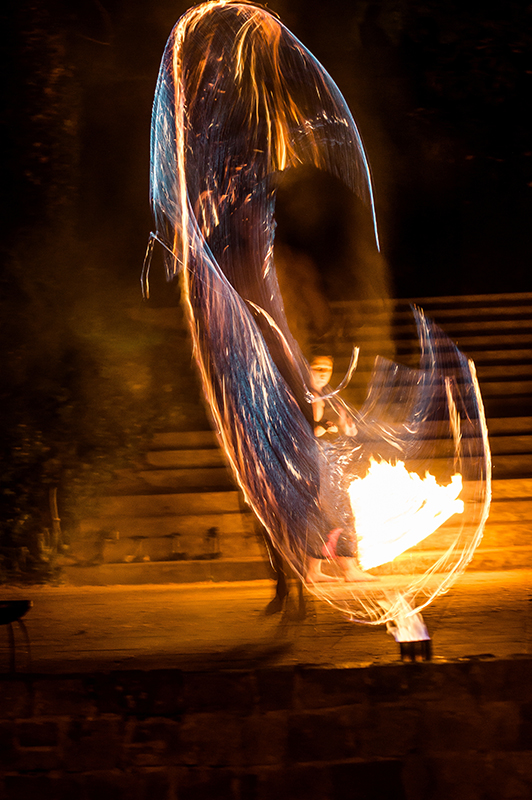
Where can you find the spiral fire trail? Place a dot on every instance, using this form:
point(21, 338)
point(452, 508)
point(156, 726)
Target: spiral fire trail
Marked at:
point(239, 100)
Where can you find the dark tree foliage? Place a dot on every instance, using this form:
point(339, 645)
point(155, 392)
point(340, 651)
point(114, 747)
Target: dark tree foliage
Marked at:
point(85, 383)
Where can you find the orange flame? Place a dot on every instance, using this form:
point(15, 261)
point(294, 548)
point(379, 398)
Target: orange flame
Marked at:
point(395, 509)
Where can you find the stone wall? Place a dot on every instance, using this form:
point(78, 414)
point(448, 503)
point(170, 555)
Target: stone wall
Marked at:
point(430, 731)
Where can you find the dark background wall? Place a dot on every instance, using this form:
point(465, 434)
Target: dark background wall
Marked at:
point(439, 90)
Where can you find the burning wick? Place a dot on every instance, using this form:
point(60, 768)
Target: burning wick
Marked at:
point(409, 631)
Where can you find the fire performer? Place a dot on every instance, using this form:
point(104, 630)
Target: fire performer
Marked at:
point(326, 416)
point(239, 100)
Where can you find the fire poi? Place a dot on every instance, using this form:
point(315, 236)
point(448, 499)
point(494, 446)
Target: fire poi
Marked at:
point(239, 100)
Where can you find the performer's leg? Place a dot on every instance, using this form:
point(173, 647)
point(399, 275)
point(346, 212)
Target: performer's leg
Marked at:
point(281, 584)
point(314, 573)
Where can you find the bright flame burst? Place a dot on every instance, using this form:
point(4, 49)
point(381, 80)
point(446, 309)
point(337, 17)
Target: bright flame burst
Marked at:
point(239, 100)
point(395, 509)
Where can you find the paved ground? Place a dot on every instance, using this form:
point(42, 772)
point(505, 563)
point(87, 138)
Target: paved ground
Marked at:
point(205, 625)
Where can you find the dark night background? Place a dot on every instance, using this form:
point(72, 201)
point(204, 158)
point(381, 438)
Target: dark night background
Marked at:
point(441, 92)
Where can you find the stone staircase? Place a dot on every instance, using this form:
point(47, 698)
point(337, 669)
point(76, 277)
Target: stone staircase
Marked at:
point(181, 512)
point(496, 332)
point(180, 517)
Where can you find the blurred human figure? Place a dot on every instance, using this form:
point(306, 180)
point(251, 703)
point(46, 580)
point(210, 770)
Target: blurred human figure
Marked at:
point(326, 418)
point(329, 422)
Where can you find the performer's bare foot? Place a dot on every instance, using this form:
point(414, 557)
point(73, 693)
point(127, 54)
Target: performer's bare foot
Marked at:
point(319, 577)
point(315, 575)
point(352, 573)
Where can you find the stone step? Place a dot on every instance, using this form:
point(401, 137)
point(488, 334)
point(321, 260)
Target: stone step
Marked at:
point(513, 299)
point(115, 538)
point(484, 559)
point(160, 548)
point(487, 341)
point(496, 534)
point(445, 316)
point(480, 306)
point(512, 489)
point(511, 444)
point(167, 572)
point(184, 504)
point(508, 466)
point(509, 426)
point(184, 440)
point(501, 558)
point(511, 406)
point(191, 548)
point(485, 372)
point(482, 340)
point(248, 569)
point(471, 345)
point(497, 388)
point(483, 358)
point(456, 314)
point(189, 459)
point(209, 454)
point(487, 362)
point(507, 435)
point(498, 400)
point(511, 511)
point(187, 525)
point(444, 308)
point(158, 481)
point(205, 503)
point(489, 387)
point(404, 329)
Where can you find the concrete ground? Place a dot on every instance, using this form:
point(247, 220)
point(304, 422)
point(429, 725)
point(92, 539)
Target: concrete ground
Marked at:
point(72, 629)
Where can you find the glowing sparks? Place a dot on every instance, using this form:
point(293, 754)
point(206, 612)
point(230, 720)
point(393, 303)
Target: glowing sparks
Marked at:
point(407, 625)
point(395, 509)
